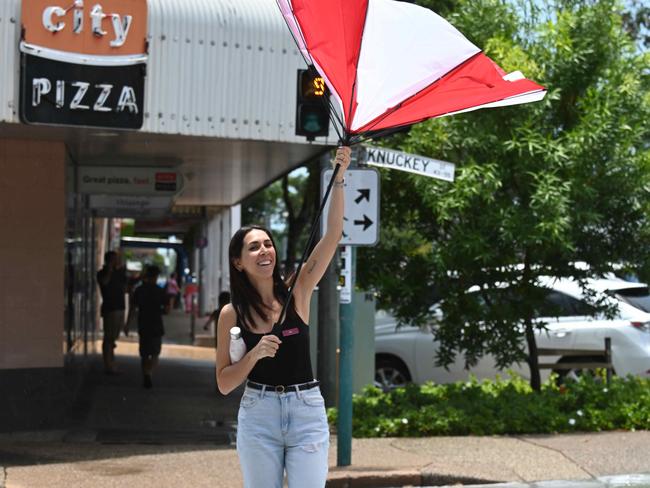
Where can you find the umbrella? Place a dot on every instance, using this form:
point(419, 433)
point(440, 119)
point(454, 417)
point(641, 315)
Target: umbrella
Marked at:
point(389, 64)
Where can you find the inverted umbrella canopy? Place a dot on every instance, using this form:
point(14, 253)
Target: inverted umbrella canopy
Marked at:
point(389, 64)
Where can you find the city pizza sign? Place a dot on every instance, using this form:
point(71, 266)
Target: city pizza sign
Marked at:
point(83, 63)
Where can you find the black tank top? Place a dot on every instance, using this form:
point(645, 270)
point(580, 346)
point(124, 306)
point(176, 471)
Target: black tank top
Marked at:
point(291, 364)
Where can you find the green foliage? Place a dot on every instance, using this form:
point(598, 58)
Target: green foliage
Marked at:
point(127, 228)
point(538, 186)
point(441, 7)
point(502, 406)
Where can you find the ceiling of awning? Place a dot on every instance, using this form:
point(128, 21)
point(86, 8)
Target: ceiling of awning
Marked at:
point(217, 172)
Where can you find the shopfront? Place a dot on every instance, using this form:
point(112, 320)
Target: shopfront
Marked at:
point(194, 92)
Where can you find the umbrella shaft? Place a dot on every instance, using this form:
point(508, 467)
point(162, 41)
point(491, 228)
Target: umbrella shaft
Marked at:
point(277, 326)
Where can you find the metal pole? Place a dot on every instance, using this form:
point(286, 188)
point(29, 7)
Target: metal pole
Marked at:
point(92, 289)
point(201, 292)
point(608, 358)
point(328, 324)
point(192, 296)
point(344, 431)
point(328, 333)
point(192, 317)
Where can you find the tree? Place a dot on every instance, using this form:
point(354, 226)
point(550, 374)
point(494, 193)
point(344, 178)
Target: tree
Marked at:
point(301, 195)
point(539, 187)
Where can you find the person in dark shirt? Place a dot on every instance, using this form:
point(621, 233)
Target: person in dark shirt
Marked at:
point(112, 284)
point(149, 301)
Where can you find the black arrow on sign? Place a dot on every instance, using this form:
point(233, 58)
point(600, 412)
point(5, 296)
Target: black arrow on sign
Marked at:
point(365, 193)
point(366, 222)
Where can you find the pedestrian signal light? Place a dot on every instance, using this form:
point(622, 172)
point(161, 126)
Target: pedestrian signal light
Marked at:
point(312, 105)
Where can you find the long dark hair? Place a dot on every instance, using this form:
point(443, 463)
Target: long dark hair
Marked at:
point(244, 295)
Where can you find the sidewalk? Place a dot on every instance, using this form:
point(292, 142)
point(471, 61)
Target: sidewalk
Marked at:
point(57, 462)
point(181, 433)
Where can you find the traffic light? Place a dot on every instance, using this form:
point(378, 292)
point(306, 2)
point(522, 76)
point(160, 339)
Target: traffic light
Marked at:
point(312, 105)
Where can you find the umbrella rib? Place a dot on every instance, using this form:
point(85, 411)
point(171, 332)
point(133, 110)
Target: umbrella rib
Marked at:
point(365, 137)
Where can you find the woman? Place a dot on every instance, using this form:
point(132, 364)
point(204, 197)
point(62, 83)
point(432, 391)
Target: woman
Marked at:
point(281, 422)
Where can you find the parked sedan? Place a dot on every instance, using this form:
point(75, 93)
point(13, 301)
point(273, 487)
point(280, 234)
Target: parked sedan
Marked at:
point(408, 354)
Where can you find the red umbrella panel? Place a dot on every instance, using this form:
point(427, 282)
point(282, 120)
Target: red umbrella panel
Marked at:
point(389, 64)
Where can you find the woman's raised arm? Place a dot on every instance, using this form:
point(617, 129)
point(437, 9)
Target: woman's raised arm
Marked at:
point(319, 259)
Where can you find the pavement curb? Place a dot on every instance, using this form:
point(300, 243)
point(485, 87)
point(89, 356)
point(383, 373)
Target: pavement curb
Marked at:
point(349, 478)
point(436, 479)
point(374, 479)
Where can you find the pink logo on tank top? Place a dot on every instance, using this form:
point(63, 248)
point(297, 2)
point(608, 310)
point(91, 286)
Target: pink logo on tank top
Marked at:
point(290, 332)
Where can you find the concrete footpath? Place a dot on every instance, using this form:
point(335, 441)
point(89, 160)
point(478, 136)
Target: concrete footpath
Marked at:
point(181, 433)
point(53, 461)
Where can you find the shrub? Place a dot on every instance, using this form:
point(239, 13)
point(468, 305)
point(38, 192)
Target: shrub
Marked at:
point(501, 406)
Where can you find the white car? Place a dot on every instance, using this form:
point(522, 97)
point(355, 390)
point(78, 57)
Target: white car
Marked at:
point(407, 354)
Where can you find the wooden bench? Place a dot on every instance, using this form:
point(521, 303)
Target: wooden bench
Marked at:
point(605, 353)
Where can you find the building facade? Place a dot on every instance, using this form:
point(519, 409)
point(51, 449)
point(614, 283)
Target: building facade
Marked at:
point(123, 108)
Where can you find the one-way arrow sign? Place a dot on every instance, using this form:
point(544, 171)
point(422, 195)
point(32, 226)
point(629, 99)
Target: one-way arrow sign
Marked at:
point(365, 193)
point(361, 221)
point(366, 222)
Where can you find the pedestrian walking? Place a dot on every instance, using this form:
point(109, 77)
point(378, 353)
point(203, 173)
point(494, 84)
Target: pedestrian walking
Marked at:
point(112, 285)
point(191, 292)
point(149, 302)
point(282, 425)
point(173, 291)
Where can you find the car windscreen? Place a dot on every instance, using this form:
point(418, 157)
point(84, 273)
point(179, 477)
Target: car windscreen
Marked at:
point(638, 297)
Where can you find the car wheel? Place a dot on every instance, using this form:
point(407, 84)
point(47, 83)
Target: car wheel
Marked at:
point(390, 373)
point(568, 375)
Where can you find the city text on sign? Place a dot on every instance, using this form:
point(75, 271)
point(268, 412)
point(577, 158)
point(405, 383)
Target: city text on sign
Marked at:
point(98, 27)
point(53, 16)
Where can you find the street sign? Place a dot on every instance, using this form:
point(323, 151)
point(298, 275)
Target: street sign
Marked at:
point(411, 163)
point(345, 278)
point(129, 180)
point(130, 206)
point(361, 214)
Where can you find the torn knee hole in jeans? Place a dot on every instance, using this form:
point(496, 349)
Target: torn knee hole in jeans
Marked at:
point(313, 447)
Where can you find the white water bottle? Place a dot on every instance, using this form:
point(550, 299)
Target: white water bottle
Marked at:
point(237, 345)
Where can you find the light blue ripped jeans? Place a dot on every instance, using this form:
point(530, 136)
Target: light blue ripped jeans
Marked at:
point(278, 431)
